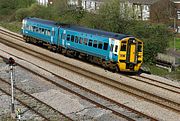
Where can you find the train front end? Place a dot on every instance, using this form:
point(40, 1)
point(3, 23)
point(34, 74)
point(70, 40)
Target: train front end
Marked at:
point(130, 55)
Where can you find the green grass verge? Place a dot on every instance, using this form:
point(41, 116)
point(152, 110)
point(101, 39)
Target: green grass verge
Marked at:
point(12, 26)
point(177, 44)
point(174, 75)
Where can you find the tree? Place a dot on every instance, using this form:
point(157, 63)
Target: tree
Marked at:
point(115, 16)
point(161, 11)
point(154, 36)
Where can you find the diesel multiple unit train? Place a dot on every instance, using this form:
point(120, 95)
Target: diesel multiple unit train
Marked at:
point(116, 52)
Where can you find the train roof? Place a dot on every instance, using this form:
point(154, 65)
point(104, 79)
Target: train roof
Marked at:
point(48, 22)
point(80, 29)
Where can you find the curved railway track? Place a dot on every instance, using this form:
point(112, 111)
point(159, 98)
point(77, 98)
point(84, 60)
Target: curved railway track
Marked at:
point(40, 108)
point(175, 106)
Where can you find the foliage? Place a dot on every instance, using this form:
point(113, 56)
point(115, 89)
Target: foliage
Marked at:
point(9, 6)
point(177, 44)
point(21, 13)
point(155, 38)
point(12, 26)
point(112, 16)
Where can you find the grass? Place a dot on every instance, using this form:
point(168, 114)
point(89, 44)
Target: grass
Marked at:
point(177, 43)
point(174, 75)
point(12, 26)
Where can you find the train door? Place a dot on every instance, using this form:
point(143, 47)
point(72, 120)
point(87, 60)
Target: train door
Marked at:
point(62, 41)
point(132, 51)
point(114, 49)
point(111, 44)
point(52, 36)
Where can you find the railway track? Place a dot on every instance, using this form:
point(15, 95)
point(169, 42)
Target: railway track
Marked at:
point(163, 85)
point(93, 97)
point(42, 109)
point(175, 106)
point(160, 84)
point(83, 92)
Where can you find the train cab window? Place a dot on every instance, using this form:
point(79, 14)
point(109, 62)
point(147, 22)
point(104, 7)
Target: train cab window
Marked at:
point(68, 37)
point(31, 28)
point(72, 38)
point(80, 40)
point(76, 39)
point(105, 46)
point(139, 47)
point(90, 43)
point(116, 48)
point(123, 46)
point(85, 41)
point(95, 44)
point(112, 46)
point(27, 27)
point(100, 45)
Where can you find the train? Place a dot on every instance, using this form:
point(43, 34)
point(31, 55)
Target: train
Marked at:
point(113, 51)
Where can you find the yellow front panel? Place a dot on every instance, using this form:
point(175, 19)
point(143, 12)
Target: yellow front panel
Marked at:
point(132, 53)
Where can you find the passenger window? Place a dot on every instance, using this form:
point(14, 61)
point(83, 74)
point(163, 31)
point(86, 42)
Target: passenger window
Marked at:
point(95, 44)
point(100, 45)
point(105, 46)
point(49, 33)
point(112, 46)
point(72, 38)
point(76, 39)
point(34, 29)
point(116, 48)
point(63, 36)
point(80, 40)
point(39, 30)
point(68, 37)
point(123, 46)
point(42, 31)
point(27, 27)
point(90, 43)
point(31, 28)
point(85, 41)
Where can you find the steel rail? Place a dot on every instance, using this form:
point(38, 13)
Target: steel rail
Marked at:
point(111, 82)
point(39, 107)
point(105, 98)
point(170, 85)
point(155, 101)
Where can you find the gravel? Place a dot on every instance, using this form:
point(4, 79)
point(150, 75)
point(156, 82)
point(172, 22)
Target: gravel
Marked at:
point(61, 100)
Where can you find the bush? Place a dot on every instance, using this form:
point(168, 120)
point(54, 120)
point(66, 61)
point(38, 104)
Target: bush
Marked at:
point(21, 14)
point(155, 38)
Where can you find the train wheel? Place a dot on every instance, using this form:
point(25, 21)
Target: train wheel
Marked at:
point(105, 65)
point(117, 68)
